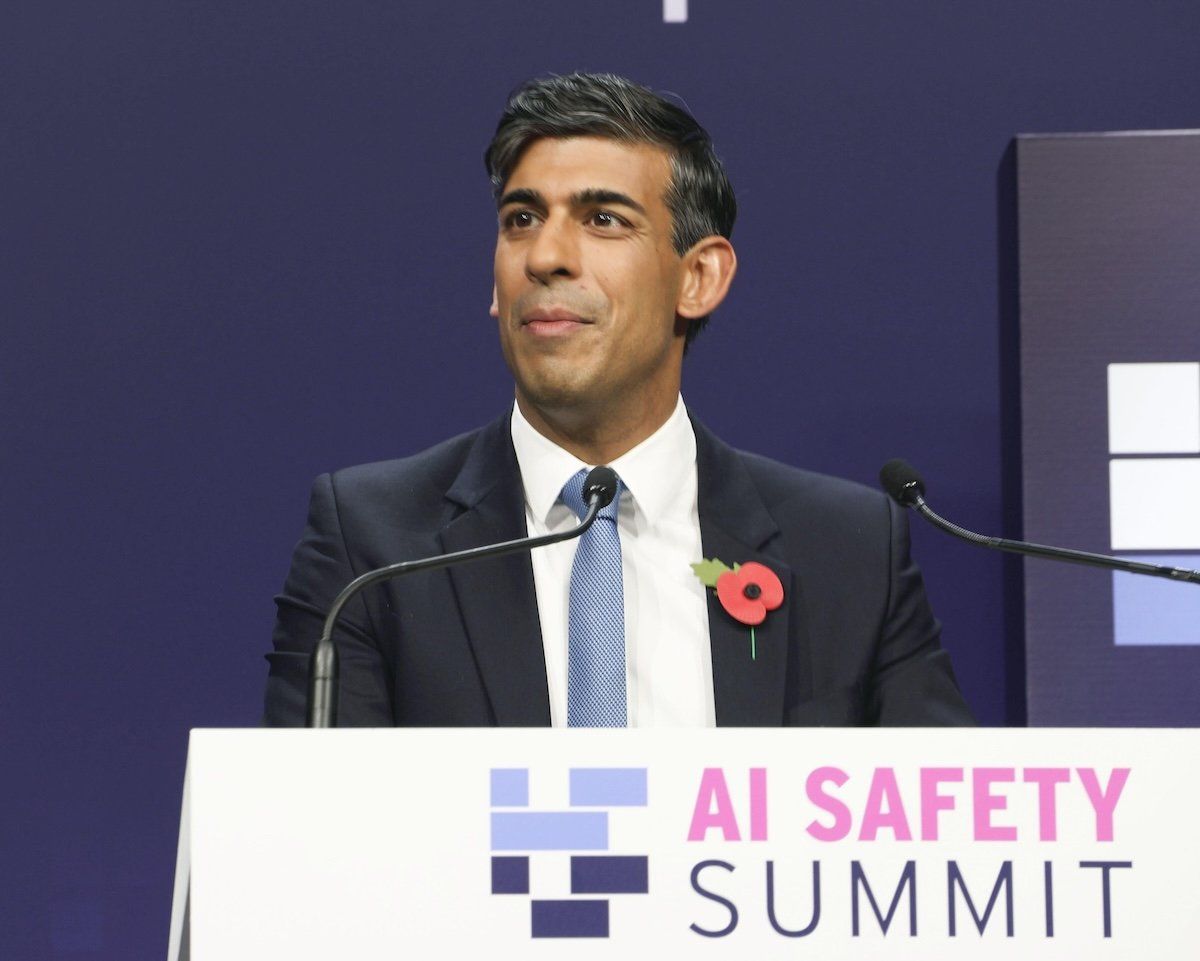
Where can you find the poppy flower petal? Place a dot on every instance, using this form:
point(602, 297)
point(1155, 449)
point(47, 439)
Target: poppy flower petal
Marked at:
point(731, 591)
point(768, 582)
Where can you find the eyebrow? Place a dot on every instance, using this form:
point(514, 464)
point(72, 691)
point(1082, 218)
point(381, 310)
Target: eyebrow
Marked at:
point(592, 195)
point(523, 196)
point(598, 195)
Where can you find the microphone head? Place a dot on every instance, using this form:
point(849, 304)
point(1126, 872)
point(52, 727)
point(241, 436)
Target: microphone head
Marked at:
point(600, 484)
point(902, 482)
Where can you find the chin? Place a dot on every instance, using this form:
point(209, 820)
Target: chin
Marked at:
point(557, 394)
point(555, 398)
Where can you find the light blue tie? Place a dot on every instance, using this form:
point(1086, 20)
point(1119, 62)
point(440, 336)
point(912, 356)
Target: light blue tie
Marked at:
point(596, 618)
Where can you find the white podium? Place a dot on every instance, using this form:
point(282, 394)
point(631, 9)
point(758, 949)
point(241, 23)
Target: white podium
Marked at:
point(503, 844)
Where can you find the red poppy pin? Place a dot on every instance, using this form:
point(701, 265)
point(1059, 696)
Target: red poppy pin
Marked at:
point(746, 591)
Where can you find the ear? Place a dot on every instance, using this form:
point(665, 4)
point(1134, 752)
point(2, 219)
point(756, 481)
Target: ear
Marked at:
point(708, 270)
point(494, 310)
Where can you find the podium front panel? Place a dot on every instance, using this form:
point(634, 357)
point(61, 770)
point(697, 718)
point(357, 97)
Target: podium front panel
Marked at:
point(728, 843)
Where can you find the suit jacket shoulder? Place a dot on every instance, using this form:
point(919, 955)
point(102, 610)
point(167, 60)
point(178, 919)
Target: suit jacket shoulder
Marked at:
point(458, 647)
point(418, 492)
point(862, 645)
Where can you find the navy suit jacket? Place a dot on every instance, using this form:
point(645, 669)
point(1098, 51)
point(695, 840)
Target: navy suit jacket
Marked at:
point(854, 642)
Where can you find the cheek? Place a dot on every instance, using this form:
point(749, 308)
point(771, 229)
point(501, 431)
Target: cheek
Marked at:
point(636, 285)
point(653, 280)
point(660, 288)
point(507, 274)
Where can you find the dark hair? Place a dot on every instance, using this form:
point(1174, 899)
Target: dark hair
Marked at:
point(699, 196)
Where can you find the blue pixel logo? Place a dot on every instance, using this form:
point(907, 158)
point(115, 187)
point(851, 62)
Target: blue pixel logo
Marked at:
point(1154, 497)
point(523, 836)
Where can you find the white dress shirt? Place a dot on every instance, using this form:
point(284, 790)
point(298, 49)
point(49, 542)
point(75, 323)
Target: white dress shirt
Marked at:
point(668, 662)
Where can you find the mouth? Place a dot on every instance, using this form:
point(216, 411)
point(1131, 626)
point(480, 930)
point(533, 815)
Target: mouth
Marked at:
point(552, 322)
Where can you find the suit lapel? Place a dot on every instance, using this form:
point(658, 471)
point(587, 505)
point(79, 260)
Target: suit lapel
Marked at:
point(496, 597)
point(736, 527)
point(498, 602)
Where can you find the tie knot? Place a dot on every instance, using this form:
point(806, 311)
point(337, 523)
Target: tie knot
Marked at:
point(572, 496)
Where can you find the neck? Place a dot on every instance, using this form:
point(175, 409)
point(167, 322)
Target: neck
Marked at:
point(597, 436)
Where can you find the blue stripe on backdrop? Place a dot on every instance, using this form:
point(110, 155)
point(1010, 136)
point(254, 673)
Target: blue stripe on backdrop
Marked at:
point(1151, 610)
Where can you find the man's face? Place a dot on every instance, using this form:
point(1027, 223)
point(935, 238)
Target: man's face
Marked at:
point(586, 277)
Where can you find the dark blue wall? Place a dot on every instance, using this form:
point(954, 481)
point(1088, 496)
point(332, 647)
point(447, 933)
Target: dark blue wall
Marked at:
point(244, 243)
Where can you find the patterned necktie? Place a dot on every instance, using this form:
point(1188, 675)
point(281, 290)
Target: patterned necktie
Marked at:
point(596, 618)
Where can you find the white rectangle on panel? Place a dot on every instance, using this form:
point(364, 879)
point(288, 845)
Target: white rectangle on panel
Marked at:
point(1155, 503)
point(675, 11)
point(1154, 408)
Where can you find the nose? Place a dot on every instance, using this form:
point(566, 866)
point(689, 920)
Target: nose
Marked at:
point(554, 252)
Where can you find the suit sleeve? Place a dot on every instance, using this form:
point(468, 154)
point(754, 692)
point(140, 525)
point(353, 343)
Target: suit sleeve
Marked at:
point(321, 567)
point(913, 683)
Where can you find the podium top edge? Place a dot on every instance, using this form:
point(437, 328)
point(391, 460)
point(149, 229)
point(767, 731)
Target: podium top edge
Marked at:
point(856, 732)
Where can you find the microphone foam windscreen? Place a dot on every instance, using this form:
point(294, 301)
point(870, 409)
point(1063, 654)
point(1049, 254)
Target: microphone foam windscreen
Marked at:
point(901, 481)
point(600, 482)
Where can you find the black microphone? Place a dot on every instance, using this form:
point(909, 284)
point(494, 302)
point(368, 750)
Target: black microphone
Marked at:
point(904, 485)
point(599, 488)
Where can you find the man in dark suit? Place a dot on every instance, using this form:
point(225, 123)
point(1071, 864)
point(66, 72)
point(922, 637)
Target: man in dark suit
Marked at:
point(613, 250)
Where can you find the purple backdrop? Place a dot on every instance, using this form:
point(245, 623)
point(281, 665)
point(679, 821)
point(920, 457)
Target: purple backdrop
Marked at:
point(246, 243)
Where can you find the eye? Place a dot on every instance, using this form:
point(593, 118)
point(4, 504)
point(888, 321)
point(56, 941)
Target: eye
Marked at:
point(607, 220)
point(519, 220)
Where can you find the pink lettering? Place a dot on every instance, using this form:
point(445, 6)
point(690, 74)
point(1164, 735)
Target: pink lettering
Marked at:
point(1047, 778)
point(931, 801)
point(1104, 802)
point(884, 808)
point(982, 779)
point(758, 804)
point(714, 809)
point(828, 803)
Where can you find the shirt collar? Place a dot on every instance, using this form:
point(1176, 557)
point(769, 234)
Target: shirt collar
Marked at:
point(653, 472)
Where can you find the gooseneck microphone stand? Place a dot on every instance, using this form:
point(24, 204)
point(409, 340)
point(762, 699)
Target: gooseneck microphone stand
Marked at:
point(599, 488)
point(904, 485)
